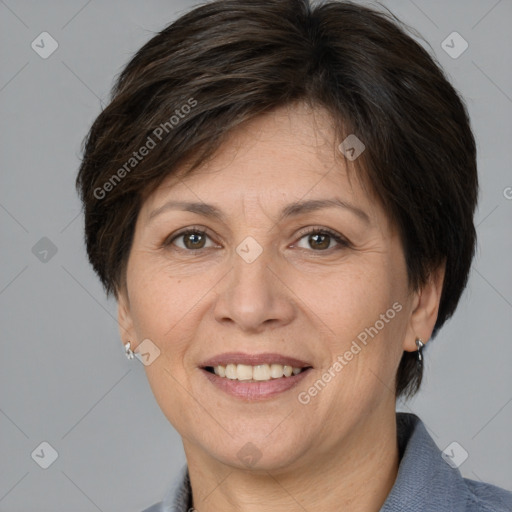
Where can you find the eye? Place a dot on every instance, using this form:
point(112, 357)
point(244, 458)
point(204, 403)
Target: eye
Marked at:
point(320, 239)
point(192, 239)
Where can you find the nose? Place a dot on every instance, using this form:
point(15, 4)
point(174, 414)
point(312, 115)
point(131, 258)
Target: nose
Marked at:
point(254, 296)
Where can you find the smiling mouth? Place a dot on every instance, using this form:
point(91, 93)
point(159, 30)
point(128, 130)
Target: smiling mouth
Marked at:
point(257, 373)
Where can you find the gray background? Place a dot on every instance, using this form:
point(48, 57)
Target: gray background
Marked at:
point(64, 378)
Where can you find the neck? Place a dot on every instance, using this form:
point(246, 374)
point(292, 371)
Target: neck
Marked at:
point(355, 476)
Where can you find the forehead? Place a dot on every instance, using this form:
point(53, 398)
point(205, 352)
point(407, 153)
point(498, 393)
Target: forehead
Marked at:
point(285, 155)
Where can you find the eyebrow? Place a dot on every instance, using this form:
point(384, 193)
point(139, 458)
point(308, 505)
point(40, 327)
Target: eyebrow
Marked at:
point(291, 210)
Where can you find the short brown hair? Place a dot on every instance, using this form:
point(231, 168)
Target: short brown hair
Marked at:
point(228, 61)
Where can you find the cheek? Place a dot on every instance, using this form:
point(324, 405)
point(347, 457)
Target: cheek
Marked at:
point(163, 308)
point(364, 311)
point(352, 299)
point(160, 301)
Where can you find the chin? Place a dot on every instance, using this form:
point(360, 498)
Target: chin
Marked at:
point(257, 453)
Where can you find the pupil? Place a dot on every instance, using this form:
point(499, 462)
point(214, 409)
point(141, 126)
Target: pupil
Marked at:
point(194, 239)
point(324, 237)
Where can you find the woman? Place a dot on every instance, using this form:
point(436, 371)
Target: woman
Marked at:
point(281, 199)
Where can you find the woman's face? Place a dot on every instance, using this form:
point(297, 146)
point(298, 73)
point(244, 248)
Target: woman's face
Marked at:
point(261, 289)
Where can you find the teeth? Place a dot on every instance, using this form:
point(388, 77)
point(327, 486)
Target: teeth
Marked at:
point(276, 371)
point(231, 372)
point(261, 372)
point(243, 372)
point(287, 370)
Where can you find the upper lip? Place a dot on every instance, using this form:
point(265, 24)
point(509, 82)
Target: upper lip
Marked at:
point(254, 360)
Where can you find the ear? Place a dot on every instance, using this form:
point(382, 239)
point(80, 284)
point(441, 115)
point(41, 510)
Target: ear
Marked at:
point(124, 319)
point(424, 309)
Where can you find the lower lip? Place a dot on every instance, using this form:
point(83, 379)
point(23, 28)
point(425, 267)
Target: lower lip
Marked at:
point(255, 390)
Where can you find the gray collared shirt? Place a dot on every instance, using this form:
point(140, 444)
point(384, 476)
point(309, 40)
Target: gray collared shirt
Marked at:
point(425, 481)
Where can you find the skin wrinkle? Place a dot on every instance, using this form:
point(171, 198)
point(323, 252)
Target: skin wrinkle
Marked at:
point(339, 451)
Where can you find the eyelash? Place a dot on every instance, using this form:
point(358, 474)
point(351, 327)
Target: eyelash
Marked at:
point(343, 243)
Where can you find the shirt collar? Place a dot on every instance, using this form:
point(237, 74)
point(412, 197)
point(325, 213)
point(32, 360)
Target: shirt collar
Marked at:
point(422, 470)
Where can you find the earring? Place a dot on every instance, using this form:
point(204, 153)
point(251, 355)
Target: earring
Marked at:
point(128, 350)
point(420, 346)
